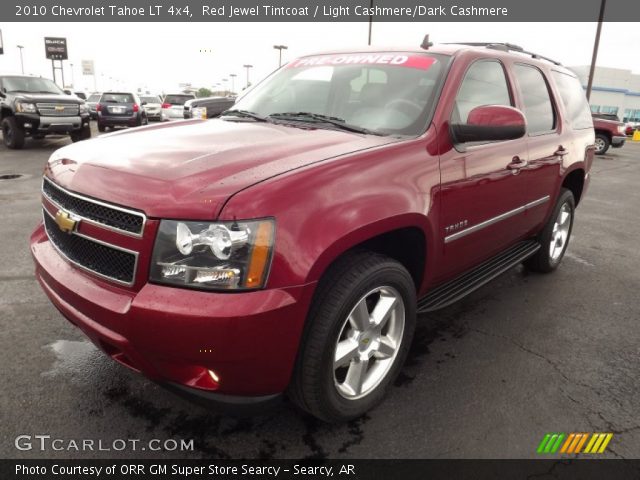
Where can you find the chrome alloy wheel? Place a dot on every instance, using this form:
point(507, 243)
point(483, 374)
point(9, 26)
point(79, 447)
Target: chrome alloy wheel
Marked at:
point(560, 233)
point(368, 343)
point(599, 145)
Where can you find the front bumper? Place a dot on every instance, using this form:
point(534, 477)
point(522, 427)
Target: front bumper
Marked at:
point(34, 123)
point(174, 336)
point(618, 141)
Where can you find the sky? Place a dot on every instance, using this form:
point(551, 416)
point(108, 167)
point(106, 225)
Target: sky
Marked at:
point(160, 56)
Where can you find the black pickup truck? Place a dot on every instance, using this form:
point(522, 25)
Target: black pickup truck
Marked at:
point(36, 107)
point(214, 105)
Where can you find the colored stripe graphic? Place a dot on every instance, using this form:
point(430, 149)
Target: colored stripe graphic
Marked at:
point(572, 443)
point(550, 443)
point(584, 439)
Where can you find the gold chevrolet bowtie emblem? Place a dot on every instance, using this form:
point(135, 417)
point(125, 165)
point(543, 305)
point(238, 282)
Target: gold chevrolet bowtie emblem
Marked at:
point(65, 221)
point(59, 108)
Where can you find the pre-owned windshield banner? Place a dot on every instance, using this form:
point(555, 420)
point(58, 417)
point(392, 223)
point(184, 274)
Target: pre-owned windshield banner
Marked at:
point(318, 11)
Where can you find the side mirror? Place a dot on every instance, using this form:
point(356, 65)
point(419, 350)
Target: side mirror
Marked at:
point(490, 123)
point(143, 103)
point(68, 92)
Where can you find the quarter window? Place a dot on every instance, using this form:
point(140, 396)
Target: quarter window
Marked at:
point(484, 84)
point(538, 109)
point(574, 100)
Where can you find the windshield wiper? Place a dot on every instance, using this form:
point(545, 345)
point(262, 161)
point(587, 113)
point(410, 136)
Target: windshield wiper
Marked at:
point(244, 114)
point(319, 118)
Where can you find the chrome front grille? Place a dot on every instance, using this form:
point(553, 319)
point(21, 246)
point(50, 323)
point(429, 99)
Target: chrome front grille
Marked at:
point(58, 109)
point(107, 261)
point(109, 216)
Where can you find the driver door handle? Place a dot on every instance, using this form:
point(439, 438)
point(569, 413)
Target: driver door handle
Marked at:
point(561, 151)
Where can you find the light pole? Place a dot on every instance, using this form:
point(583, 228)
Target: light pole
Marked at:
point(247, 67)
point(280, 48)
point(596, 44)
point(73, 81)
point(233, 82)
point(20, 47)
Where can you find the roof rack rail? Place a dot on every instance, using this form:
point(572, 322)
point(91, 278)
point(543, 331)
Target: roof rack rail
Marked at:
point(506, 47)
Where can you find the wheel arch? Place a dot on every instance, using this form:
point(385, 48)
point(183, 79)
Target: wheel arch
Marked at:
point(403, 238)
point(574, 181)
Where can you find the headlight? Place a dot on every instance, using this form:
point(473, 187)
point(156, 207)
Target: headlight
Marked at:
point(84, 108)
point(23, 107)
point(222, 255)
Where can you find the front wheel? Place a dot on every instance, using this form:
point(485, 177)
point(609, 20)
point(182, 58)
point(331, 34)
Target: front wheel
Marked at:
point(554, 237)
point(12, 133)
point(83, 134)
point(360, 328)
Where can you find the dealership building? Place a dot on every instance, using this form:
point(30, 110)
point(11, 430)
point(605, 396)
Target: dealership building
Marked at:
point(615, 90)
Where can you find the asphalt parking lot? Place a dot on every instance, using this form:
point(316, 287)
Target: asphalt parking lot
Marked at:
point(486, 378)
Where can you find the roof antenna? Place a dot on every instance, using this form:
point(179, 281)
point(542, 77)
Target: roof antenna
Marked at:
point(426, 43)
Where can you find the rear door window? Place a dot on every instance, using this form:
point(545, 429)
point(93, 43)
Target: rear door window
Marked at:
point(574, 100)
point(117, 98)
point(537, 105)
point(177, 99)
point(484, 83)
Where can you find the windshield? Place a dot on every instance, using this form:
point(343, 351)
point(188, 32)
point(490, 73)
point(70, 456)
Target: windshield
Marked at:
point(31, 85)
point(150, 99)
point(177, 99)
point(94, 97)
point(388, 93)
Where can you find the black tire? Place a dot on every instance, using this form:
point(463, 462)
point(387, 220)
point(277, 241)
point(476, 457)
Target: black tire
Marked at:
point(313, 386)
point(82, 134)
point(542, 261)
point(145, 120)
point(38, 136)
point(101, 127)
point(602, 144)
point(12, 133)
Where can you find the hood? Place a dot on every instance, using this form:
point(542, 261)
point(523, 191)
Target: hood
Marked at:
point(48, 98)
point(188, 169)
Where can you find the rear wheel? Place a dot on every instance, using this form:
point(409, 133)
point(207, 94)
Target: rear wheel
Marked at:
point(602, 144)
point(360, 328)
point(101, 127)
point(554, 238)
point(12, 133)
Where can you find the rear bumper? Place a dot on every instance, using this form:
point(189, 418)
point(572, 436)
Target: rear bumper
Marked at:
point(176, 336)
point(109, 120)
point(617, 142)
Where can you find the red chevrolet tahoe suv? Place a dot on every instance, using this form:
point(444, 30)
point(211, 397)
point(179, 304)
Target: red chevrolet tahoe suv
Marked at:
point(288, 246)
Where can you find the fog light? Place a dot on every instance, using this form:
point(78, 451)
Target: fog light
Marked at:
point(27, 125)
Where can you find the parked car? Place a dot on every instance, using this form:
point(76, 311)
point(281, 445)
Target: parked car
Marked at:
point(609, 133)
point(173, 106)
point(36, 107)
point(120, 109)
point(214, 105)
point(92, 102)
point(288, 245)
point(631, 127)
point(152, 107)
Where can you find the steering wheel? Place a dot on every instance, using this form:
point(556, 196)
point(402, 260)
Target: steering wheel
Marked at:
point(409, 108)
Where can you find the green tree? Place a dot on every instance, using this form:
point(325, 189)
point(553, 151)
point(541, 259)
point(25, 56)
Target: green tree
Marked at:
point(204, 92)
